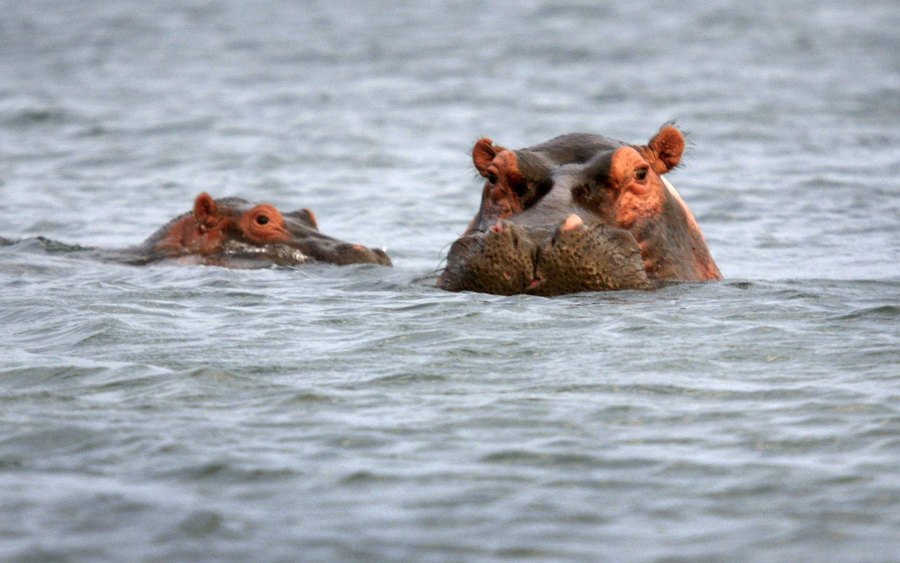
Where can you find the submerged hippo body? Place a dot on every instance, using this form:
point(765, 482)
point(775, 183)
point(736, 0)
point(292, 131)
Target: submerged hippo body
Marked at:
point(578, 213)
point(234, 232)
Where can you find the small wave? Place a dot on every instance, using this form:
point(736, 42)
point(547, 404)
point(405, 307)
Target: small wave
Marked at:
point(407, 378)
point(213, 375)
point(43, 243)
point(879, 312)
point(202, 523)
point(30, 116)
point(522, 457)
point(62, 440)
point(230, 472)
point(363, 477)
point(305, 398)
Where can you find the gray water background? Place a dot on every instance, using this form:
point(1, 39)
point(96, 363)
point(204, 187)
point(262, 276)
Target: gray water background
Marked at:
point(357, 413)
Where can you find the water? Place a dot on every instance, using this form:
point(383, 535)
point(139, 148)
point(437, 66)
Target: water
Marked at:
point(197, 413)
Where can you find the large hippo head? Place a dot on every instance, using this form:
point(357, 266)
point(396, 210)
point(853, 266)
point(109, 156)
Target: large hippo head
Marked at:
point(235, 232)
point(579, 212)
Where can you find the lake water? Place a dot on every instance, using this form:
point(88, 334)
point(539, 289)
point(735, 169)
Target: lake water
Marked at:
point(358, 413)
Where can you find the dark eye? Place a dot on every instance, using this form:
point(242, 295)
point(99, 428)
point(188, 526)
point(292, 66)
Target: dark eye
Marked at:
point(640, 174)
point(262, 220)
point(492, 178)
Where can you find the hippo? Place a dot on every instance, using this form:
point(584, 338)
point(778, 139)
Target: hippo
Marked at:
point(579, 212)
point(234, 232)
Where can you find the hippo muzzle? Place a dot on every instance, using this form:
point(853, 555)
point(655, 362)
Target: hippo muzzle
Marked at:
point(510, 258)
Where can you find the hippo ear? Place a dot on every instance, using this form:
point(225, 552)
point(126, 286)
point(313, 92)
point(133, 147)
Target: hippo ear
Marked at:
point(310, 218)
point(666, 149)
point(483, 154)
point(305, 216)
point(205, 210)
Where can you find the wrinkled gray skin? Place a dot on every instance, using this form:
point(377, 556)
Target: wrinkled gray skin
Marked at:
point(531, 252)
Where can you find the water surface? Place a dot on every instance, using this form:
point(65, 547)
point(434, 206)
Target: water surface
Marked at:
point(197, 413)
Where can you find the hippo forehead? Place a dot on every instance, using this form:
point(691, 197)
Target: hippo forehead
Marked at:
point(598, 167)
point(236, 204)
point(574, 147)
point(299, 222)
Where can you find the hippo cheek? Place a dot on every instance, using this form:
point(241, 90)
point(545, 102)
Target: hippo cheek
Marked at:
point(588, 258)
point(500, 261)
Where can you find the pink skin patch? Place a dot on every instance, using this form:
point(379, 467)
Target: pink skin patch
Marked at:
point(497, 227)
point(571, 223)
point(690, 216)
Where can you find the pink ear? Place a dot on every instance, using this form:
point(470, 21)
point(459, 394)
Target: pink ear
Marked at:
point(205, 211)
point(667, 147)
point(483, 154)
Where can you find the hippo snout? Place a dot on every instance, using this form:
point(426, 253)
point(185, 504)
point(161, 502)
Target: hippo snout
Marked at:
point(507, 260)
point(498, 261)
point(357, 254)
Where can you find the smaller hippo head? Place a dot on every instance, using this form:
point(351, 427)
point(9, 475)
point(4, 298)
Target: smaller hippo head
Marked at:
point(233, 231)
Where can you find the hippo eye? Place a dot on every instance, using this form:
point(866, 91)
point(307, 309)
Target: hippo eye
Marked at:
point(492, 178)
point(640, 174)
point(262, 220)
